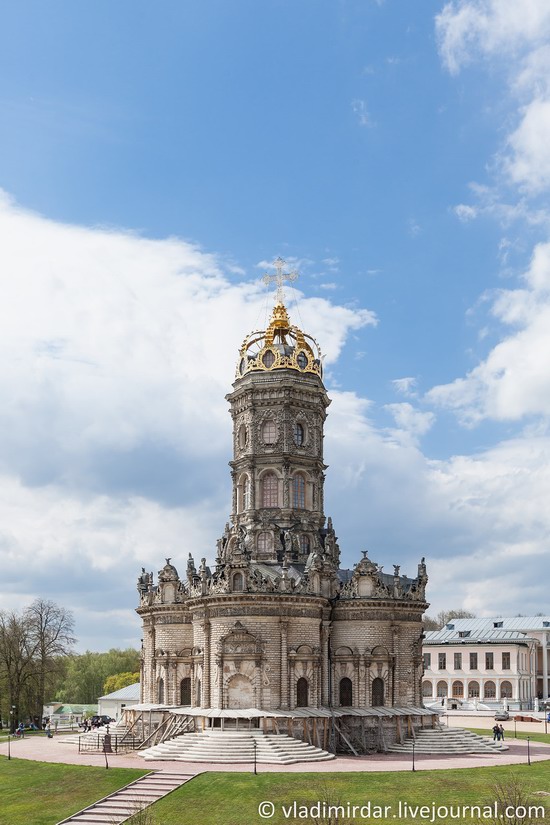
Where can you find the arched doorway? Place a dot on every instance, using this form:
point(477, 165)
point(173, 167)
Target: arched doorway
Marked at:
point(302, 689)
point(377, 692)
point(185, 691)
point(346, 692)
point(240, 693)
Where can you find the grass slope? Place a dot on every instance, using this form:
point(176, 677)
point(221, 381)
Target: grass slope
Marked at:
point(43, 793)
point(233, 798)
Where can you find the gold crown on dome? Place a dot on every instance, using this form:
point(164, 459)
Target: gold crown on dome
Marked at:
point(281, 346)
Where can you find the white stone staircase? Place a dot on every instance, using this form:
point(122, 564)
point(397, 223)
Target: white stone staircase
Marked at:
point(236, 746)
point(130, 800)
point(448, 741)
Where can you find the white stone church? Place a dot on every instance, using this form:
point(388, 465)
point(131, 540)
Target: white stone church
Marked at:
point(276, 625)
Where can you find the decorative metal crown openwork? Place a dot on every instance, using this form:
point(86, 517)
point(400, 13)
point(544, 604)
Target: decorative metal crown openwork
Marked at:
point(281, 346)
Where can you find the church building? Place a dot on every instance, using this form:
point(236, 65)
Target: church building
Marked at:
point(276, 624)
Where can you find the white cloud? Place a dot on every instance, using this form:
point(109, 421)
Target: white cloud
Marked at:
point(528, 165)
point(513, 381)
point(118, 351)
point(411, 422)
point(469, 29)
point(359, 108)
point(405, 386)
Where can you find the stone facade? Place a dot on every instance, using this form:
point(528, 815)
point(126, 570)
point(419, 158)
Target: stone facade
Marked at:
point(276, 623)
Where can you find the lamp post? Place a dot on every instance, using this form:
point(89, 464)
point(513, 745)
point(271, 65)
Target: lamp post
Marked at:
point(413, 765)
point(528, 750)
point(255, 756)
point(12, 709)
point(515, 728)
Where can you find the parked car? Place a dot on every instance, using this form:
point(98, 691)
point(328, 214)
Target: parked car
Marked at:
point(102, 719)
point(502, 716)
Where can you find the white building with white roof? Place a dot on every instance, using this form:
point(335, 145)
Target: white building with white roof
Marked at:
point(493, 661)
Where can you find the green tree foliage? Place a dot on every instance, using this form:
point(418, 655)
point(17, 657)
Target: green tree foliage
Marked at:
point(87, 673)
point(119, 681)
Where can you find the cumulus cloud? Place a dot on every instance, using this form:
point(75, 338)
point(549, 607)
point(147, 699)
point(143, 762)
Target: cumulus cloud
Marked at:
point(118, 352)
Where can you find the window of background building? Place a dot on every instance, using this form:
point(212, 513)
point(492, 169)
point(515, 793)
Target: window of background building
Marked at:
point(427, 662)
point(473, 661)
point(506, 661)
point(458, 661)
point(489, 661)
point(441, 661)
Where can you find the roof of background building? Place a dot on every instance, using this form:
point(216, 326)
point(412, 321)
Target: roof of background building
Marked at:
point(524, 623)
point(486, 634)
point(128, 693)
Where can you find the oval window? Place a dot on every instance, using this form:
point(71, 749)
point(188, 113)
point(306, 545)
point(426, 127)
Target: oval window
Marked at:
point(268, 358)
point(302, 360)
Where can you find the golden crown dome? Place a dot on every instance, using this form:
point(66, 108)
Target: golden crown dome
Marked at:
point(281, 346)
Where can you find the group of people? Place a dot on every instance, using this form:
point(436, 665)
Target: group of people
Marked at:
point(498, 733)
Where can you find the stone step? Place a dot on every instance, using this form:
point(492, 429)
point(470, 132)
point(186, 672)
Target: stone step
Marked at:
point(448, 741)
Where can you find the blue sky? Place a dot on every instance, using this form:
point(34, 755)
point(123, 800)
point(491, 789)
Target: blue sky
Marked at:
point(153, 159)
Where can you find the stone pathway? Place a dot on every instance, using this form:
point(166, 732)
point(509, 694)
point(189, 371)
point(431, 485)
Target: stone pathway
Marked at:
point(124, 803)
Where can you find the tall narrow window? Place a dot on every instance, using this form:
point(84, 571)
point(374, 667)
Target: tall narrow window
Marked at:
point(427, 661)
point(185, 691)
point(506, 661)
point(246, 493)
point(473, 661)
point(270, 490)
point(305, 544)
point(269, 432)
point(489, 661)
point(265, 543)
point(346, 692)
point(238, 583)
point(441, 661)
point(302, 690)
point(377, 692)
point(298, 434)
point(299, 491)
point(458, 661)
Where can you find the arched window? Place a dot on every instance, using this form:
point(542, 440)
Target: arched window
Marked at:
point(506, 690)
point(265, 542)
point(269, 432)
point(160, 692)
point(246, 493)
point(238, 583)
point(302, 689)
point(270, 490)
point(185, 691)
point(346, 692)
point(489, 690)
point(298, 434)
point(473, 690)
point(299, 491)
point(442, 689)
point(377, 692)
point(305, 544)
point(458, 690)
point(427, 688)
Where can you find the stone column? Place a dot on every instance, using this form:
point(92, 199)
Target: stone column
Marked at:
point(286, 486)
point(545, 665)
point(205, 698)
point(219, 673)
point(284, 665)
point(325, 641)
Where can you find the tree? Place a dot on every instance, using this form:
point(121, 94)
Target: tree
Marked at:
point(52, 626)
point(31, 645)
point(119, 681)
point(445, 616)
point(87, 672)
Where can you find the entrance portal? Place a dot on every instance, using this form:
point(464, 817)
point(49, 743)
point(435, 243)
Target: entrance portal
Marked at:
point(240, 693)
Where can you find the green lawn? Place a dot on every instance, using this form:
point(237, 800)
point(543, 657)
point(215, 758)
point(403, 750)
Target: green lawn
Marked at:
point(233, 798)
point(42, 793)
point(509, 733)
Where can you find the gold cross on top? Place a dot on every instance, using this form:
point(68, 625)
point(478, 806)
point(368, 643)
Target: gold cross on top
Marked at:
point(279, 278)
